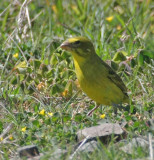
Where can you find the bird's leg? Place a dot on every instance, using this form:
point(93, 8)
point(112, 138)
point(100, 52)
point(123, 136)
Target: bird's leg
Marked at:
point(115, 109)
point(117, 106)
point(90, 113)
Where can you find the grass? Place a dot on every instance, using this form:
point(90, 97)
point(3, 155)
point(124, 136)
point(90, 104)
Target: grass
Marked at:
point(39, 94)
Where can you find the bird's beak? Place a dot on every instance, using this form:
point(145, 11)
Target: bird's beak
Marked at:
point(65, 45)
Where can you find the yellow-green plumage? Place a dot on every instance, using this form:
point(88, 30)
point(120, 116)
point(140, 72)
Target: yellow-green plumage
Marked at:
point(95, 77)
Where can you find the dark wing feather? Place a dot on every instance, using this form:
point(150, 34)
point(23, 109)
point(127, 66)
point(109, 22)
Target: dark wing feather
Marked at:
point(115, 78)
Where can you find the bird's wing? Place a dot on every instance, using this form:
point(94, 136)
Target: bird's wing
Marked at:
point(112, 76)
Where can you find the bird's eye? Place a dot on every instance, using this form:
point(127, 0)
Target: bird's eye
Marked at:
point(77, 42)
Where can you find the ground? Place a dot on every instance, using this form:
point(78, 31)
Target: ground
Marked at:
point(40, 99)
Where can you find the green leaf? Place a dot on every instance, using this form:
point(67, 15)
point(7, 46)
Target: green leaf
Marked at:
point(128, 118)
point(57, 88)
point(56, 117)
point(36, 123)
point(44, 68)
point(140, 59)
point(36, 108)
point(49, 74)
point(148, 53)
point(1, 126)
point(136, 124)
point(29, 70)
point(66, 117)
point(78, 117)
point(14, 81)
point(37, 64)
point(131, 109)
point(21, 77)
point(120, 19)
point(16, 90)
point(120, 56)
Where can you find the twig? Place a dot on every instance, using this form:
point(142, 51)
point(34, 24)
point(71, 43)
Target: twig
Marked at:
point(83, 142)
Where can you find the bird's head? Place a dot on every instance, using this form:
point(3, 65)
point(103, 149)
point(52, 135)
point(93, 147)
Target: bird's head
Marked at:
point(80, 47)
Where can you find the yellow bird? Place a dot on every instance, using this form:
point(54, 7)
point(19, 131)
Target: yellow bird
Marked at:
point(96, 78)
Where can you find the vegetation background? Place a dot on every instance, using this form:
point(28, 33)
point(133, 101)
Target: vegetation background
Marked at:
point(40, 100)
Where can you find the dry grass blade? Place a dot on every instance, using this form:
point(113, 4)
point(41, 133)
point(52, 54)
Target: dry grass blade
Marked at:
point(8, 128)
point(150, 147)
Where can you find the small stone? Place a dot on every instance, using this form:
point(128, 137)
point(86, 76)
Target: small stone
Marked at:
point(104, 132)
point(28, 151)
point(58, 153)
point(130, 146)
point(89, 147)
point(145, 158)
point(85, 147)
